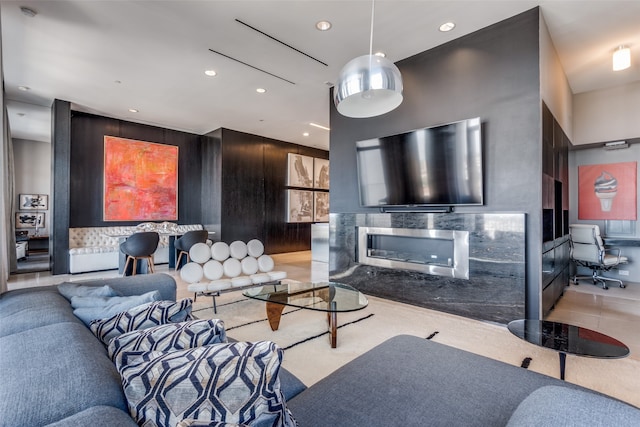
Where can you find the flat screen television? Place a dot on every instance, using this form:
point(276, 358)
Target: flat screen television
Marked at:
point(435, 166)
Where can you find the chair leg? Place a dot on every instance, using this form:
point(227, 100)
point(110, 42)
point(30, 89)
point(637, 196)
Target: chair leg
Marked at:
point(151, 266)
point(126, 265)
point(135, 265)
point(179, 259)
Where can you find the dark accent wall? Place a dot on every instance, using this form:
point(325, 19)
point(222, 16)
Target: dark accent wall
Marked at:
point(494, 74)
point(87, 167)
point(253, 200)
point(61, 167)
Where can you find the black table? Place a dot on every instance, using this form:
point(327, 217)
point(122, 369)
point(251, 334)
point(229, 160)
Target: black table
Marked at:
point(568, 339)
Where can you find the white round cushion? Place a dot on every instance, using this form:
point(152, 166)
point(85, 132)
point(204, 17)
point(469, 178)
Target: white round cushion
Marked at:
point(191, 272)
point(265, 263)
point(260, 278)
point(220, 251)
point(232, 267)
point(238, 249)
point(255, 248)
point(236, 282)
point(277, 275)
point(249, 265)
point(200, 253)
point(218, 285)
point(213, 269)
point(197, 287)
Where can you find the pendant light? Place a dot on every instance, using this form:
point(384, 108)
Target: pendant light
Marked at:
point(621, 58)
point(368, 85)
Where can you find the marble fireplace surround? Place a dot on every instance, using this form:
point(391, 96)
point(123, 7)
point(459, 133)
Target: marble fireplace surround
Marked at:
point(495, 290)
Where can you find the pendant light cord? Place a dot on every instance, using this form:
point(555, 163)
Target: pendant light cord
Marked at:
point(373, 6)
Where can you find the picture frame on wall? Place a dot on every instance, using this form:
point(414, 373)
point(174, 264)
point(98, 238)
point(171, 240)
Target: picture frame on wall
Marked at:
point(299, 170)
point(33, 202)
point(29, 219)
point(299, 206)
point(320, 206)
point(321, 174)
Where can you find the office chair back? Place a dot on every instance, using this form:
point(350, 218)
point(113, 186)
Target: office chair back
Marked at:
point(586, 243)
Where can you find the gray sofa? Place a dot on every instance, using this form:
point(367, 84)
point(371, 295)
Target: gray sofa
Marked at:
point(55, 372)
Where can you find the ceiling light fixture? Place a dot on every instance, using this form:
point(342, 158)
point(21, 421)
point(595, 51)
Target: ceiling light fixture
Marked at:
point(621, 58)
point(323, 25)
point(25, 88)
point(261, 90)
point(210, 73)
point(305, 134)
point(368, 85)
point(447, 26)
point(319, 126)
point(133, 110)
point(27, 11)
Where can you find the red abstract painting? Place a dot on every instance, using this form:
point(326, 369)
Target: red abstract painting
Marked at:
point(607, 191)
point(140, 180)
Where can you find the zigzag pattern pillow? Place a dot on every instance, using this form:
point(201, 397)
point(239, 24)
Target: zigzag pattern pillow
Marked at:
point(233, 383)
point(142, 317)
point(172, 336)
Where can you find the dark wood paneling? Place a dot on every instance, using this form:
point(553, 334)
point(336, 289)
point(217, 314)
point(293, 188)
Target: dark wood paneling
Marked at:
point(60, 183)
point(211, 193)
point(87, 160)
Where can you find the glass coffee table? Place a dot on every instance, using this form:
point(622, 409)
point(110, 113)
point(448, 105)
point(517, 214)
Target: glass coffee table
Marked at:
point(568, 339)
point(330, 297)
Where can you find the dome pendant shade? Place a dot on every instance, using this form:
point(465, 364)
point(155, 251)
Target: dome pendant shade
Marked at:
point(368, 86)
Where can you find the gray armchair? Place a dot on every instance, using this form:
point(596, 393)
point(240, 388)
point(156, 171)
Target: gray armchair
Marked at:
point(587, 250)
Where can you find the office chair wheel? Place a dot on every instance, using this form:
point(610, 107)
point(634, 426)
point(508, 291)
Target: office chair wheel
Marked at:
point(603, 283)
point(622, 285)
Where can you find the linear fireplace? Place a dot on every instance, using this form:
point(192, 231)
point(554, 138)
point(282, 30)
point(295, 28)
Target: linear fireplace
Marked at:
point(437, 252)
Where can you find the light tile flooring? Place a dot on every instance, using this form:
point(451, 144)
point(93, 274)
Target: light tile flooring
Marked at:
point(615, 312)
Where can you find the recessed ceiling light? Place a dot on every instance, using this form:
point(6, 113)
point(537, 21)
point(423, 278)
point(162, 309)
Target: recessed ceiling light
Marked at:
point(261, 90)
point(305, 134)
point(21, 114)
point(319, 126)
point(117, 82)
point(382, 54)
point(447, 26)
point(24, 88)
point(210, 73)
point(323, 25)
point(621, 58)
point(133, 110)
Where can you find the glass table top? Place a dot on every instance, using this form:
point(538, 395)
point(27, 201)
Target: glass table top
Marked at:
point(568, 338)
point(321, 296)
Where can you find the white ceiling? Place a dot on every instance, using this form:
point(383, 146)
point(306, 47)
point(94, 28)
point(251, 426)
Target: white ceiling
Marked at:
point(108, 56)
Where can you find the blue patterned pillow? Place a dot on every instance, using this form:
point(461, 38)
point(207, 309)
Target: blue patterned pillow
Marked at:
point(197, 423)
point(142, 317)
point(172, 336)
point(232, 383)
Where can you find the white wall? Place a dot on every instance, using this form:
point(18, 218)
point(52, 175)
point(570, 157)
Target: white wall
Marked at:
point(33, 172)
point(554, 86)
point(607, 115)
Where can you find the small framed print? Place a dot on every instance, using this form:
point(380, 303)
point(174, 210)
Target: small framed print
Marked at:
point(321, 174)
point(33, 202)
point(29, 219)
point(299, 170)
point(299, 206)
point(320, 206)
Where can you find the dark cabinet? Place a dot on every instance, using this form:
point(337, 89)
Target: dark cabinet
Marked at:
point(555, 210)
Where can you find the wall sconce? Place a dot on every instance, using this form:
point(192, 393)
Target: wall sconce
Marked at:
point(621, 58)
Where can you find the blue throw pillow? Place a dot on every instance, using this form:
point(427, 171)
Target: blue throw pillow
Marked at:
point(70, 290)
point(112, 306)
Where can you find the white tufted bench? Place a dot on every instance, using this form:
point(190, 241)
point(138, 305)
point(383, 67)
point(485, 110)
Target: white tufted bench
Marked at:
point(92, 248)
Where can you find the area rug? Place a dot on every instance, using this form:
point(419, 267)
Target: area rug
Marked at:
point(309, 356)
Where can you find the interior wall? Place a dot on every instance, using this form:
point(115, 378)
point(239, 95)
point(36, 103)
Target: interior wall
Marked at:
point(32, 161)
point(594, 156)
point(607, 115)
point(492, 73)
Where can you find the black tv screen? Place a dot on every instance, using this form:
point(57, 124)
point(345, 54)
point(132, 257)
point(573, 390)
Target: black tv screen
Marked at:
point(435, 166)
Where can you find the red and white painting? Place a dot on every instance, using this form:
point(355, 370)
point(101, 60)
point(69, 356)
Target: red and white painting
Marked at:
point(608, 191)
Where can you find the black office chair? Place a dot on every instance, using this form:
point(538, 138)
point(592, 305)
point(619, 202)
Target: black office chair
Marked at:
point(140, 246)
point(587, 250)
point(190, 238)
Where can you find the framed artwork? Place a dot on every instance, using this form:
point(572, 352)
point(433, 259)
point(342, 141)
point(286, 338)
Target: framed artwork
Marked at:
point(140, 180)
point(33, 202)
point(321, 174)
point(608, 191)
point(299, 206)
point(299, 170)
point(29, 219)
point(320, 206)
